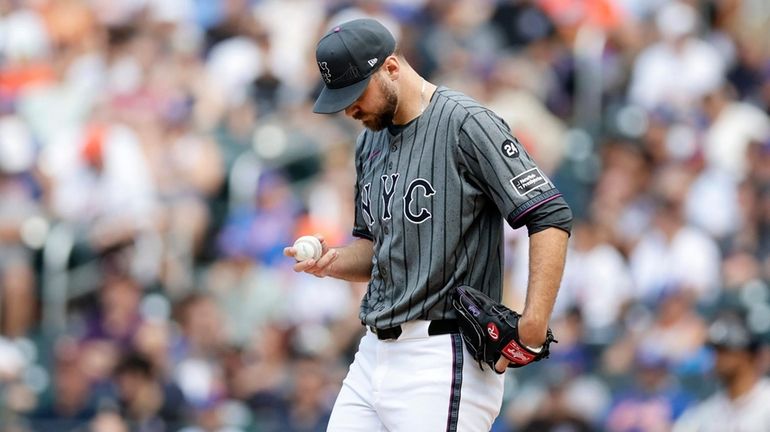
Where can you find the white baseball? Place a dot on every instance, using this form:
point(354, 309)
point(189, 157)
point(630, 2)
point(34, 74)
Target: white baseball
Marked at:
point(307, 247)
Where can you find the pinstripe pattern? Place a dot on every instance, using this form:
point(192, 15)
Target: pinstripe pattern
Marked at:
point(433, 198)
point(457, 383)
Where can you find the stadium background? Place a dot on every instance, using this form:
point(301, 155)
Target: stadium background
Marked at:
point(157, 155)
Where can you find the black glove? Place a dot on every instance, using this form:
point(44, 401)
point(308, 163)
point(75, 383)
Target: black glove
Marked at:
point(490, 330)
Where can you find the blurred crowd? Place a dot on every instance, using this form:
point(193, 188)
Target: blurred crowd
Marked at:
point(156, 156)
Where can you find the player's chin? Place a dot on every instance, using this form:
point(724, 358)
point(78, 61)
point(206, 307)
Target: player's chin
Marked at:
point(371, 126)
point(374, 124)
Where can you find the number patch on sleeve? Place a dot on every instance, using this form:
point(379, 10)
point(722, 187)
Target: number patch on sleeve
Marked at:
point(509, 149)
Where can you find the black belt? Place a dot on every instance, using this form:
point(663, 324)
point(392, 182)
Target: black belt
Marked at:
point(436, 327)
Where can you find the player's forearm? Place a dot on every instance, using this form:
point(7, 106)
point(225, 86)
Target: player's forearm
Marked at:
point(354, 261)
point(547, 253)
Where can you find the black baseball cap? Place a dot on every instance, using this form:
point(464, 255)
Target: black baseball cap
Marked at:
point(347, 57)
point(730, 332)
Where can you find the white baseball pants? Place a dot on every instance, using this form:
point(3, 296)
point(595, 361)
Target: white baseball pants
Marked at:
point(417, 383)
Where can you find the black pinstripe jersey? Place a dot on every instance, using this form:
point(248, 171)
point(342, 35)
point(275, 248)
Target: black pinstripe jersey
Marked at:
point(432, 198)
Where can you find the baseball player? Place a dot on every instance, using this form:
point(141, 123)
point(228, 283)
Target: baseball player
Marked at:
point(741, 404)
point(437, 174)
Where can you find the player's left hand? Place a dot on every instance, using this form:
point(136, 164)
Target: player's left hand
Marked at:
point(531, 334)
point(496, 335)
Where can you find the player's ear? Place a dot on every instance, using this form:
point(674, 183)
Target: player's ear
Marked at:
point(392, 67)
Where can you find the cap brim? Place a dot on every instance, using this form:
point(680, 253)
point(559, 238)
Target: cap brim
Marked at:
point(726, 345)
point(335, 100)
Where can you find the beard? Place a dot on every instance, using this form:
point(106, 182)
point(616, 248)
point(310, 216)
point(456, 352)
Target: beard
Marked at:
point(383, 118)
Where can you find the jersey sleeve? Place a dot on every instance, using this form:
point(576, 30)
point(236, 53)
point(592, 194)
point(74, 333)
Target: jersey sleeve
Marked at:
point(553, 213)
point(360, 225)
point(497, 163)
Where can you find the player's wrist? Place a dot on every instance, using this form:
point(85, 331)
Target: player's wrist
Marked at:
point(532, 334)
point(535, 349)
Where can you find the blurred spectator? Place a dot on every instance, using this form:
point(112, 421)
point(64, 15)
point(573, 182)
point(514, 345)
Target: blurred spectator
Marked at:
point(21, 227)
point(758, 154)
point(750, 70)
point(235, 132)
point(748, 245)
point(153, 341)
point(620, 201)
point(187, 171)
point(309, 403)
point(558, 400)
point(596, 279)
point(263, 370)
point(653, 401)
point(107, 160)
point(25, 34)
point(252, 295)
point(697, 65)
point(72, 402)
point(262, 230)
point(198, 352)
point(671, 253)
point(573, 354)
point(291, 29)
point(712, 202)
point(202, 333)
point(145, 400)
point(105, 331)
point(108, 421)
point(116, 319)
point(558, 417)
point(521, 23)
point(460, 42)
point(733, 125)
point(212, 417)
point(17, 397)
point(742, 402)
point(677, 333)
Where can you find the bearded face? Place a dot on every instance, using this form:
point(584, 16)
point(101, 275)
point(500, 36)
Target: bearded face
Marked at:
point(384, 102)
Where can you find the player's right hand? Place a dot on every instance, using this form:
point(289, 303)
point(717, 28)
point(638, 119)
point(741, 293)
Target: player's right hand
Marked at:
point(320, 267)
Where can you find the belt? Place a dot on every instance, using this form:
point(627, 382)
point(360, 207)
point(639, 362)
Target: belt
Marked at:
point(436, 327)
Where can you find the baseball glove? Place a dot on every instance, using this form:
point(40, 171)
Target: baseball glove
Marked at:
point(490, 330)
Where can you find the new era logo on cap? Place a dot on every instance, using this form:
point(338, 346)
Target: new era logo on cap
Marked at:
point(347, 57)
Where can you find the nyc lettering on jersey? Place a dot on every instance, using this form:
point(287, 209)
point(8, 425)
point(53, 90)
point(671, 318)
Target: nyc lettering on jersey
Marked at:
point(411, 212)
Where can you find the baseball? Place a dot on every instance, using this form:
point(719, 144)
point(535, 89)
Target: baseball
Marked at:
point(307, 247)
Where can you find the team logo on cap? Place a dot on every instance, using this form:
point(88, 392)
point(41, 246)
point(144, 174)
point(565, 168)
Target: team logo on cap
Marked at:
point(326, 74)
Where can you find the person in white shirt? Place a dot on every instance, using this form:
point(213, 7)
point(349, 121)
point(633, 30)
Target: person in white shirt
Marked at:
point(671, 253)
point(742, 404)
point(697, 65)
